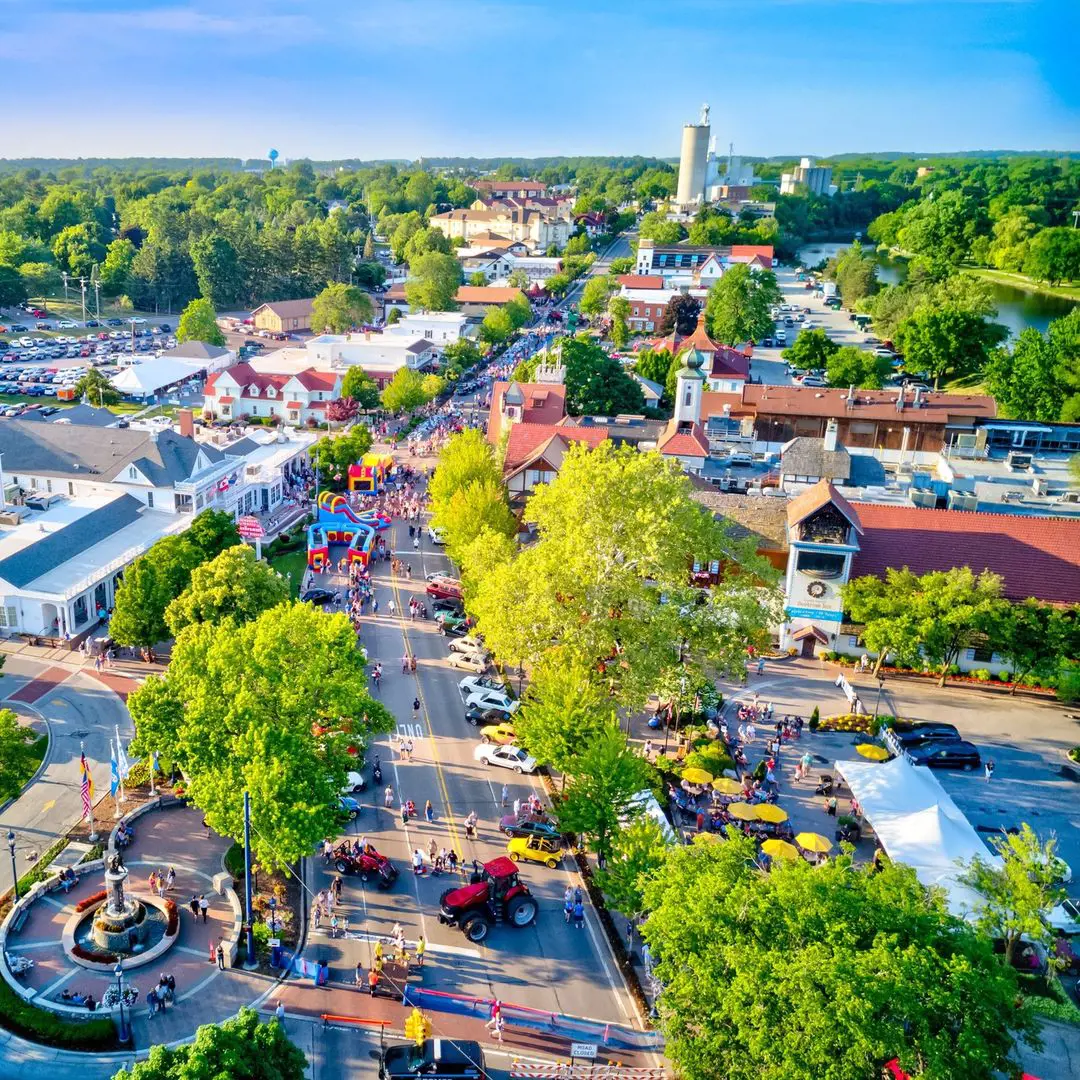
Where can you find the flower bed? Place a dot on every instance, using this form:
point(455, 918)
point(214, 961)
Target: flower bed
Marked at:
point(174, 918)
point(852, 722)
point(979, 677)
point(93, 957)
point(38, 1025)
point(90, 901)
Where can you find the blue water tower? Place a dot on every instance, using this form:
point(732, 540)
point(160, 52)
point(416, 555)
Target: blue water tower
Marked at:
point(273, 156)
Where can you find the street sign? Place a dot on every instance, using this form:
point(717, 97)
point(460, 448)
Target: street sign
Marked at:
point(250, 528)
point(583, 1050)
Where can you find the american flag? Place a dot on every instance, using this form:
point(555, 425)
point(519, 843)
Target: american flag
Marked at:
point(87, 786)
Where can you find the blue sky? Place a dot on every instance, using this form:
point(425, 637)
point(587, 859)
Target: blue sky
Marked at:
point(403, 78)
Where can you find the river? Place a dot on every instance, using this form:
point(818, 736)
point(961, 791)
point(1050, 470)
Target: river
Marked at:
point(1017, 309)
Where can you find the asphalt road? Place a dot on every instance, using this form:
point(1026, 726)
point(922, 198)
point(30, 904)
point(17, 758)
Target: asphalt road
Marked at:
point(620, 248)
point(548, 966)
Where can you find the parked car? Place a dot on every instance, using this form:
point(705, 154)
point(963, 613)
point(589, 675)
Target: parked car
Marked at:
point(354, 782)
point(478, 715)
point(506, 757)
point(318, 596)
point(542, 827)
point(501, 733)
point(436, 1058)
point(536, 849)
point(444, 589)
point(487, 698)
point(468, 661)
point(950, 755)
point(447, 604)
point(918, 734)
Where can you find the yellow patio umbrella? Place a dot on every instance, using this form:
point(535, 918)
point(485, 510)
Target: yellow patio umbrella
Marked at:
point(742, 811)
point(726, 786)
point(812, 841)
point(770, 812)
point(780, 849)
point(872, 751)
point(696, 776)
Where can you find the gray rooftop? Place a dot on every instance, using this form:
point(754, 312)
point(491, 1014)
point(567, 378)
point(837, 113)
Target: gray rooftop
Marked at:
point(57, 548)
point(198, 350)
point(87, 415)
point(806, 456)
point(78, 450)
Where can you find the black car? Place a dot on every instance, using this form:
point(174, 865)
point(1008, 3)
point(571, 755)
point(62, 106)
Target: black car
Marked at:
point(449, 604)
point(527, 827)
point(94, 322)
point(166, 328)
point(436, 1059)
point(950, 755)
point(318, 596)
point(18, 328)
point(112, 322)
point(930, 732)
point(481, 717)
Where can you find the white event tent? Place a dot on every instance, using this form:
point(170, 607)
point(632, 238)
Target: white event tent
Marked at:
point(918, 823)
point(157, 373)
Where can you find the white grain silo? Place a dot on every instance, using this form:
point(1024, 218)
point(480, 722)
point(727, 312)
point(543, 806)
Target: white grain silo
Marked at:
point(692, 161)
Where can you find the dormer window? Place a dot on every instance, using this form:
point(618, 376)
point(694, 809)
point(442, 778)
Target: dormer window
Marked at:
point(270, 392)
point(253, 390)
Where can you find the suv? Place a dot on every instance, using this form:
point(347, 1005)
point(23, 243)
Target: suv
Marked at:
point(435, 1059)
point(922, 733)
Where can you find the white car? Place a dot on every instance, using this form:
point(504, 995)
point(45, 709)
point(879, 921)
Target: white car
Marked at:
point(1066, 917)
point(471, 683)
point(469, 644)
point(354, 782)
point(468, 661)
point(436, 535)
point(484, 698)
point(67, 324)
point(508, 757)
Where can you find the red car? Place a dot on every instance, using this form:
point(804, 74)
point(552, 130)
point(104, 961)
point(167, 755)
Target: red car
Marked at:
point(444, 589)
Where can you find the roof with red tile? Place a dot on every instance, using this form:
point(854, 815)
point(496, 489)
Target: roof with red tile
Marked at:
point(641, 281)
point(748, 251)
point(1035, 556)
point(814, 498)
point(679, 440)
point(313, 379)
point(526, 440)
point(544, 403)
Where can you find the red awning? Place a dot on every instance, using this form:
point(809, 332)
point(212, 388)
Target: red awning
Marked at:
point(294, 405)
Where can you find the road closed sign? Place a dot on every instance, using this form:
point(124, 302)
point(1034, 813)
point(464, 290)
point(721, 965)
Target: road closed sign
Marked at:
point(583, 1050)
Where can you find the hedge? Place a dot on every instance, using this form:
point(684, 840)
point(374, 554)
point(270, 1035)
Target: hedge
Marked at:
point(40, 1026)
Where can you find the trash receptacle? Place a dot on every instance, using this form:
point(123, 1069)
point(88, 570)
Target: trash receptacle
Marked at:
point(275, 952)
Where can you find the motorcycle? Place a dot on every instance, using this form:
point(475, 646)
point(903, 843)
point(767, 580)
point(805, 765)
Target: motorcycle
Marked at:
point(376, 771)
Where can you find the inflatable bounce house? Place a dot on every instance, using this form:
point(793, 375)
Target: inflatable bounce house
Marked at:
point(370, 475)
point(338, 523)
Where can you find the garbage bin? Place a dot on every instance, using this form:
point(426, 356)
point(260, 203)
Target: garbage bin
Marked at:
point(275, 952)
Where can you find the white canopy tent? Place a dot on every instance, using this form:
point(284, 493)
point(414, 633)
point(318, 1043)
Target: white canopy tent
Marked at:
point(150, 376)
point(917, 823)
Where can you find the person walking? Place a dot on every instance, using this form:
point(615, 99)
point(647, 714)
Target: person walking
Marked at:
point(204, 906)
point(579, 913)
point(421, 948)
point(170, 880)
point(429, 812)
point(279, 1012)
point(220, 957)
point(470, 826)
point(568, 903)
point(417, 862)
point(505, 795)
point(495, 1026)
point(391, 608)
point(989, 770)
point(416, 709)
point(193, 903)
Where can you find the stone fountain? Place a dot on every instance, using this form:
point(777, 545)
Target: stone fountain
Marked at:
point(120, 925)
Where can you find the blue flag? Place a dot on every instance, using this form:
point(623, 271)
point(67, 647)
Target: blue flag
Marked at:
point(114, 772)
point(156, 763)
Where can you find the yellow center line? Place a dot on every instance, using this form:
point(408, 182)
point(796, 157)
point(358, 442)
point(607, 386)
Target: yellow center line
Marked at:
point(450, 821)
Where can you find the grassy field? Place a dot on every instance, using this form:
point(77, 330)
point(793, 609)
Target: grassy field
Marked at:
point(1022, 281)
point(123, 407)
point(292, 562)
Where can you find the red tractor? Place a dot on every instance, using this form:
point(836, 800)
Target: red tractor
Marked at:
point(368, 864)
point(494, 895)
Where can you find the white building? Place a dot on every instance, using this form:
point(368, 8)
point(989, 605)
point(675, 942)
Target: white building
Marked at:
point(380, 355)
point(441, 328)
point(89, 500)
point(817, 179)
point(292, 397)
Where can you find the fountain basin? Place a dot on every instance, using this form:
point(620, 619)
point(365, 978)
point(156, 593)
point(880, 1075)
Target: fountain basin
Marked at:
point(151, 930)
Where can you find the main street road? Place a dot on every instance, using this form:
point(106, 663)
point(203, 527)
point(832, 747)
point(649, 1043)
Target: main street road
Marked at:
point(549, 966)
point(618, 249)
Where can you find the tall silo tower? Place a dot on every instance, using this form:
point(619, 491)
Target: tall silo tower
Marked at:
point(692, 161)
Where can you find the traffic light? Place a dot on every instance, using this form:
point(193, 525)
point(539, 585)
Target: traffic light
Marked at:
point(417, 1027)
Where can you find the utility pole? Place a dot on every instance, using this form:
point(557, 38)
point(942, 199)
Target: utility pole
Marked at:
point(95, 280)
point(1076, 217)
point(82, 286)
point(64, 275)
point(249, 941)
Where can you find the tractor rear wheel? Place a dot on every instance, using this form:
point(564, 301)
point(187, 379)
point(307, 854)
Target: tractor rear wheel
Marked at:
point(521, 911)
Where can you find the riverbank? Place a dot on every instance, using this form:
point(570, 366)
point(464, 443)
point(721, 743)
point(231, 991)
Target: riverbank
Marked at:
point(1026, 284)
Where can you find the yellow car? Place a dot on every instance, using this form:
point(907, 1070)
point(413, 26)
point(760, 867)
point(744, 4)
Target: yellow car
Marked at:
point(535, 849)
point(498, 733)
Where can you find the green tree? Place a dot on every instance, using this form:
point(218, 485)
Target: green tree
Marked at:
point(619, 310)
point(616, 528)
point(478, 507)
point(518, 279)
point(404, 392)
point(359, 387)
point(232, 585)
point(218, 270)
point(855, 274)
point(461, 355)
point(1053, 255)
point(424, 240)
point(478, 278)
point(947, 339)
point(116, 269)
point(852, 366)
point(595, 295)
point(241, 1048)
point(812, 971)
point(605, 778)
point(655, 226)
point(12, 286)
point(393, 316)
point(811, 349)
point(150, 584)
point(239, 710)
point(42, 279)
point(737, 307)
point(334, 454)
point(1034, 638)
point(1024, 381)
point(199, 323)
point(465, 458)
point(211, 532)
point(76, 249)
point(565, 707)
point(340, 307)
point(369, 247)
point(434, 282)
point(497, 328)
point(933, 616)
point(638, 853)
point(1020, 888)
point(596, 383)
point(432, 385)
point(680, 317)
point(519, 309)
point(18, 760)
point(654, 364)
point(96, 388)
point(624, 264)
point(1064, 335)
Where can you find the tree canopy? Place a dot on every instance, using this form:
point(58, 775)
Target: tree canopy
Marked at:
point(811, 349)
point(852, 366)
point(358, 386)
point(270, 707)
point(596, 383)
point(433, 282)
point(829, 970)
point(18, 760)
point(334, 454)
point(737, 307)
point(198, 322)
point(340, 307)
point(96, 389)
point(405, 391)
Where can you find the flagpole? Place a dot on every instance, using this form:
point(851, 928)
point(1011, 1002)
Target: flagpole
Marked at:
point(153, 769)
point(89, 802)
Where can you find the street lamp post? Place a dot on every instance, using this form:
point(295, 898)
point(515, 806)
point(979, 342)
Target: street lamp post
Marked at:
point(123, 1035)
point(14, 872)
point(880, 684)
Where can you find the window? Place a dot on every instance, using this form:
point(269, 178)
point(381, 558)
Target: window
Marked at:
point(853, 642)
point(9, 617)
point(820, 564)
point(982, 654)
point(150, 500)
point(429, 334)
point(48, 485)
point(689, 397)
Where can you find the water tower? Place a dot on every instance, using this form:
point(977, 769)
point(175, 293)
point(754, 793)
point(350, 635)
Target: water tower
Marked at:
point(273, 156)
point(692, 162)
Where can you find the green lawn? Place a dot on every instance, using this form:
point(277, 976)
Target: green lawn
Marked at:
point(23, 399)
point(1022, 281)
point(292, 562)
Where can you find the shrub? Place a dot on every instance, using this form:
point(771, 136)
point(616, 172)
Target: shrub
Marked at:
point(1074, 754)
point(710, 758)
point(981, 674)
point(234, 860)
point(90, 901)
point(174, 918)
point(261, 933)
point(93, 957)
point(815, 719)
point(138, 775)
point(1005, 676)
point(27, 1020)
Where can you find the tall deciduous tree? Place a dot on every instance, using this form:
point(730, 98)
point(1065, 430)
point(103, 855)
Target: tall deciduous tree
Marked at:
point(596, 383)
point(465, 458)
point(1019, 888)
point(496, 329)
point(619, 310)
point(404, 392)
point(479, 506)
point(811, 349)
point(218, 270)
point(199, 323)
point(1034, 638)
point(680, 317)
point(737, 308)
point(830, 970)
point(433, 283)
point(1053, 255)
point(150, 584)
point(852, 366)
point(238, 710)
point(17, 757)
point(947, 339)
point(358, 386)
point(96, 389)
point(233, 585)
point(340, 307)
point(595, 295)
point(12, 286)
point(212, 531)
point(241, 1048)
point(334, 454)
point(1024, 381)
point(606, 776)
point(638, 852)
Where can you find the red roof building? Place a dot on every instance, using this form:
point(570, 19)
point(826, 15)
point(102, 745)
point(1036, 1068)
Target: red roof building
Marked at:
point(517, 403)
point(729, 368)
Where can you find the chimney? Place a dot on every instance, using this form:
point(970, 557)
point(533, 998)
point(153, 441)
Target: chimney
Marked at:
point(900, 400)
point(832, 432)
point(916, 402)
point(187, 422)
